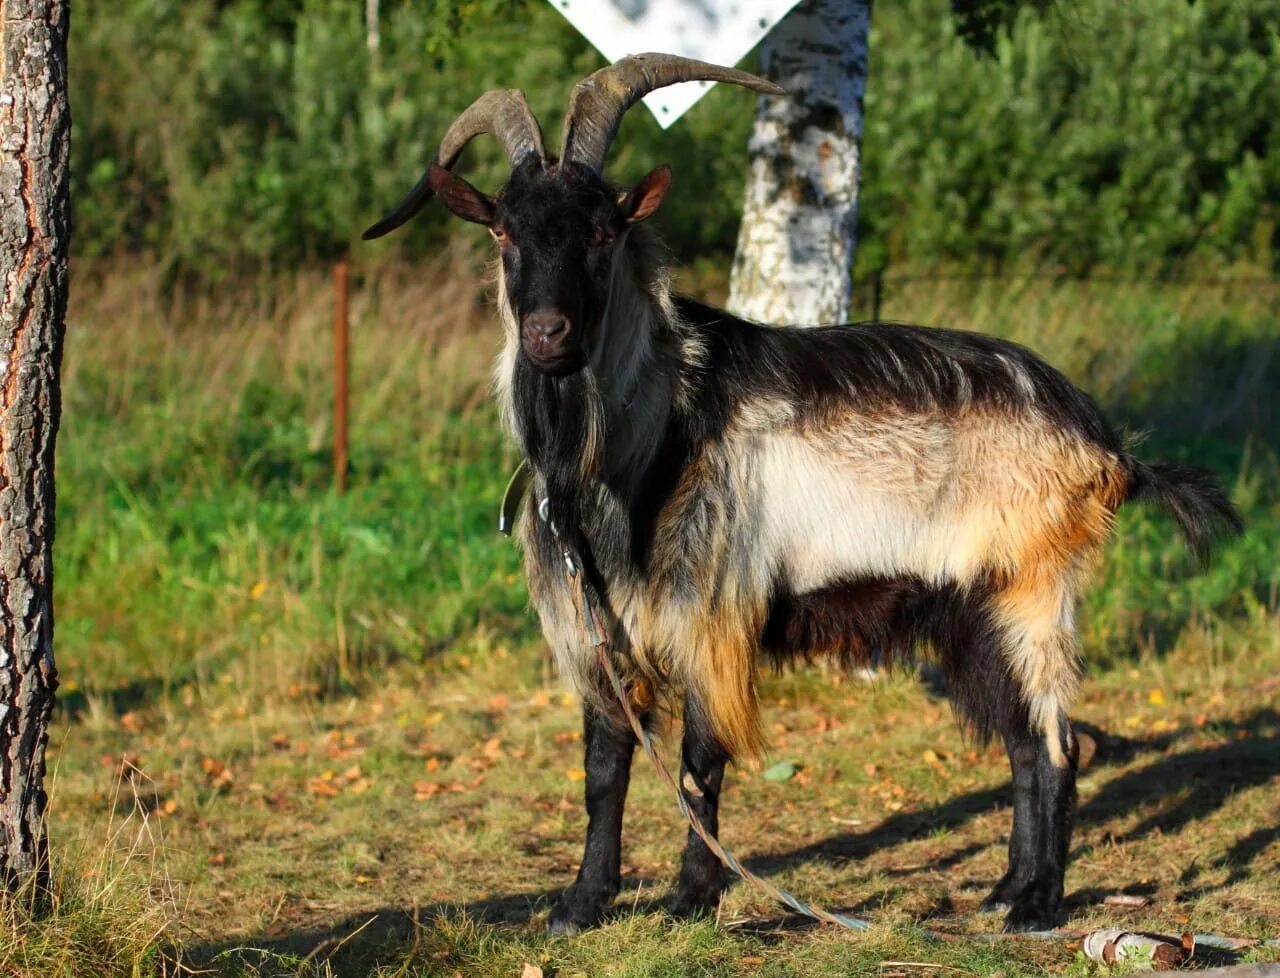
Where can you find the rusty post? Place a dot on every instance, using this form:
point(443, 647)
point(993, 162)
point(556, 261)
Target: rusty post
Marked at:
point(340, 364)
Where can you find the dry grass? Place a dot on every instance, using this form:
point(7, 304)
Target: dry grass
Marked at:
point(112, 908)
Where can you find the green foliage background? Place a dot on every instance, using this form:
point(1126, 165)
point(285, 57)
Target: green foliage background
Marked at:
point(225, 134)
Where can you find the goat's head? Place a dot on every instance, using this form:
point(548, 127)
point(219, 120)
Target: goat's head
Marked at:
point(557, 222)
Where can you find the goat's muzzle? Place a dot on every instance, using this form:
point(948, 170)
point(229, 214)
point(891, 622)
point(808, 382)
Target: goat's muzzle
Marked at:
point(549, 341)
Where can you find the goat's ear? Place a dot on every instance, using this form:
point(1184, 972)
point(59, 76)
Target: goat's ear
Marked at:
point(462, 198)
point(646, 196)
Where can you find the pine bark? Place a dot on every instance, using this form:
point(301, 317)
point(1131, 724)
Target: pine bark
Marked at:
point(795, 245)
point(34, 232)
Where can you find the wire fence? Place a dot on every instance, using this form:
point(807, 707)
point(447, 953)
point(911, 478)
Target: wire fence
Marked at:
point(874, 288)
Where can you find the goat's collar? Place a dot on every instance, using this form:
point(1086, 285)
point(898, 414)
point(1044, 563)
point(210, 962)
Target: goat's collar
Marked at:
point(517, 486)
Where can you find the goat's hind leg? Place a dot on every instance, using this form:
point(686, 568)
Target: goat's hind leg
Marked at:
point(1038, 904)
point(1015, 679)
point(702, 761)
point(1044, 795)
point(609, 750)
point(1022, 749)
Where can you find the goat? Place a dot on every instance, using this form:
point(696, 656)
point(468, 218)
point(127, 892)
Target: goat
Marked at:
point(733, 490)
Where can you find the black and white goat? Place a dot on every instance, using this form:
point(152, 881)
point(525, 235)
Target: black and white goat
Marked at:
point(738, 490)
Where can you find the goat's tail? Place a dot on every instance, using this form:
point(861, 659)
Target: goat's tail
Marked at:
point(1192, 496)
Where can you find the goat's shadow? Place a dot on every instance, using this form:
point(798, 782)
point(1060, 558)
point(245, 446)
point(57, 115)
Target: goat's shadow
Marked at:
point(1178, 789)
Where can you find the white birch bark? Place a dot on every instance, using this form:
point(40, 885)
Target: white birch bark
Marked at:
point(795, 245)
point(372, 36)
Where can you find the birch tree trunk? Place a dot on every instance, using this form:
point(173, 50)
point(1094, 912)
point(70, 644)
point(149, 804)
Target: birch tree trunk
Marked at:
point(372, 34)
point(795, 246)
point(34, 230)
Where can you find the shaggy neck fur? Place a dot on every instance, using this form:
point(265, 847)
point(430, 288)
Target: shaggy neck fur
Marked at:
point(600, 427)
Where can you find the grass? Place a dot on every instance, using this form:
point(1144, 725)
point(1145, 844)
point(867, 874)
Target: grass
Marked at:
point(311, 734)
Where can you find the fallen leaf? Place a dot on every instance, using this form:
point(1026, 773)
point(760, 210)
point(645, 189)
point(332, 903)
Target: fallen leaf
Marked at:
point(1156, 697)
point(782, 771)
point(217, 774)
point(576, 774)
point(323, 785)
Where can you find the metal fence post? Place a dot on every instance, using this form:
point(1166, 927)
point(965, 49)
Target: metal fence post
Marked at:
point(341, 359)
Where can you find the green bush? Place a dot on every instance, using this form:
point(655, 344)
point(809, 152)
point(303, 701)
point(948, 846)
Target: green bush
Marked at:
point(256, 132)
point(1097, 133)
point(240, 133)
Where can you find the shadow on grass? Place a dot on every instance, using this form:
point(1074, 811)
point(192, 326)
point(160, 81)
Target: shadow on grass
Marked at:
point(1179, 789)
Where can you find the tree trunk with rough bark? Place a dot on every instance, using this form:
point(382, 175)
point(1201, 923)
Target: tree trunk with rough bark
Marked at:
point(34, 231)
point(795, 246)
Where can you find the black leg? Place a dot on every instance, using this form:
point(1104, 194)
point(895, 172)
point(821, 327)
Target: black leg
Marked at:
point(987, 695)
point(1039, 903)
point(609, 749)
point(1023, 846)
point(702, 761)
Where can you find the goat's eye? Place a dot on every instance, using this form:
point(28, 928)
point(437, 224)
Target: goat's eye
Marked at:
point(500, 235)
point(601, 237)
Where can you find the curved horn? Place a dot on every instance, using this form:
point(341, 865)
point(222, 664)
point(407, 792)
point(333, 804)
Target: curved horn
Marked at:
point(601, 99)
point(502, 112)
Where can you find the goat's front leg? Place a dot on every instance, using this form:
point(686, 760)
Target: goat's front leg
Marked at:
point(609, 749)
point(702, 761)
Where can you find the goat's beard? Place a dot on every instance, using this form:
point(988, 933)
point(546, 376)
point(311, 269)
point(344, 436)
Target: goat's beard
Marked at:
point(561, 422)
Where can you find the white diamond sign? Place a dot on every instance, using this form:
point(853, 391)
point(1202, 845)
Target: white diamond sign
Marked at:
point(718, 31)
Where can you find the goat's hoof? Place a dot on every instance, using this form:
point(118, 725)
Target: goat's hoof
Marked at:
point(697, 899)
point(1033, 910)
point(994, 903)
point(1002, 896)
point(562, 927)
point(574, 913)
point(691, 906)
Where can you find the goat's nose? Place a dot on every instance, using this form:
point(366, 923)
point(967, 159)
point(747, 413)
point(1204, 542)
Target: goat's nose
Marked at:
point(546, 334)
point(547, 325)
